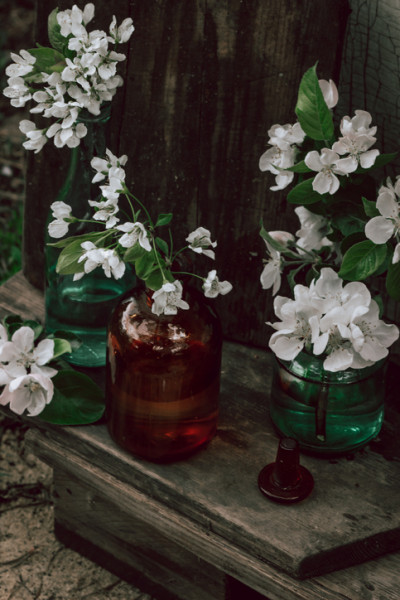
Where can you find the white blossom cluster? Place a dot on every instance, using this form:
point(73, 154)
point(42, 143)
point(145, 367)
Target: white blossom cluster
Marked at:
point(24, 371)
point(86, 81)
point(129, 234)
point(381, 228)
point(350, 151)
point(328, 318)
point(309, 238)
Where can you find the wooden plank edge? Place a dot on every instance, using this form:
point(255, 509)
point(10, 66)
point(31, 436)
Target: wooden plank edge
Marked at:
point(210, 547)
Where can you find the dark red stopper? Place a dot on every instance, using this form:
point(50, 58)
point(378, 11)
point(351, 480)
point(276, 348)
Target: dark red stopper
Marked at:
point(285, 480)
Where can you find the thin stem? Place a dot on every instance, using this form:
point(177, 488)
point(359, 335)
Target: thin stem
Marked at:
point(158, 259)
point(187, 273)
point(130, 205)
point(127, 192)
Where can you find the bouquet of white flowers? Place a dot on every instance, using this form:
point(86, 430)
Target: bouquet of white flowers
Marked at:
point(133, 241)
point(342, 227)
point(78, 72)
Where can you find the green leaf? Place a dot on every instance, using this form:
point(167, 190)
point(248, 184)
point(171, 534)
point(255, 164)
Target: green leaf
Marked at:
point(97, 237)
point(303, 193)
point(58, 41)
point(47, 59)
point(134, 253)
point(349, 224)
point(351, 240)
point(271, 241)
point(74, 341)
point(77, 400)
point(393, 281)
point(61, 346)
point(314, 116)
point(370, 208)
point(162, 244)
point(145, 265)
point(67, 263)
point(156, 279)
point(300, 167)
point(361, 260)
point(163, 219)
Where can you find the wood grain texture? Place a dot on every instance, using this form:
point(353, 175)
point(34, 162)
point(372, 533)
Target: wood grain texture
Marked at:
point(210, 504)
point(204, 81)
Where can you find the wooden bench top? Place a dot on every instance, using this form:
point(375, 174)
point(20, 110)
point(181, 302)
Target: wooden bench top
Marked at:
point(211, 501)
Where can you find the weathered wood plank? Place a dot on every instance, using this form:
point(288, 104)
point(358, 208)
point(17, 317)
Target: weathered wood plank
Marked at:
point(351, 516)
point(103, 490)
point(157, 564)
point(217, 488)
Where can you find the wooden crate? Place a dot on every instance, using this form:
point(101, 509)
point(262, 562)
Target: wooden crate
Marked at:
point(200, 529)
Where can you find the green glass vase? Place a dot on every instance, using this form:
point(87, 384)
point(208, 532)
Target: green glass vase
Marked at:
point(327, 413)
point(82, 307)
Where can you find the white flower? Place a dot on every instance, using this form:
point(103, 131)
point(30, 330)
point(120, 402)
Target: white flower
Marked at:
point(283, 139)
point(358, 137)
point(36, 138)
point(396, 254)
point(212, 286)
point(271, 274)
point(17, 91)
point(358, 125)
point(338, 321)
point(381, 228)
point(94, 257)
point(200, 240)
point(67, 133)
point(23, 64)
point(168, 299)
point(19, 356)
point(312, 235)
point(73, 20)
point(298, 326)
point(329, 92)
point(326, 165)
point(109, 167)
point(133, 233)
point(107, 211)
point(370, 336)
point(122, 33)
point(327, 293)
point(31, 392)
point(282, 135)
point(60, 211)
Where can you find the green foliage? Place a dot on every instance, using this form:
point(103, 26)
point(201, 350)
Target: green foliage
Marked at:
point(362, 260)
point(77, 400)
point(314, 116)
point(303, 194)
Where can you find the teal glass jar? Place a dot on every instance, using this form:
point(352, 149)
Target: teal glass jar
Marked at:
point(82, 307)
point(327, 413)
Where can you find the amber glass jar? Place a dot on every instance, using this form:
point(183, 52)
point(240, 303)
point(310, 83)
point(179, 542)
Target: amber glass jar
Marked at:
point(163, 376)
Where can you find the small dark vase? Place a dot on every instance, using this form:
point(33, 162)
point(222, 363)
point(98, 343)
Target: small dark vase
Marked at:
point(163, 376)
